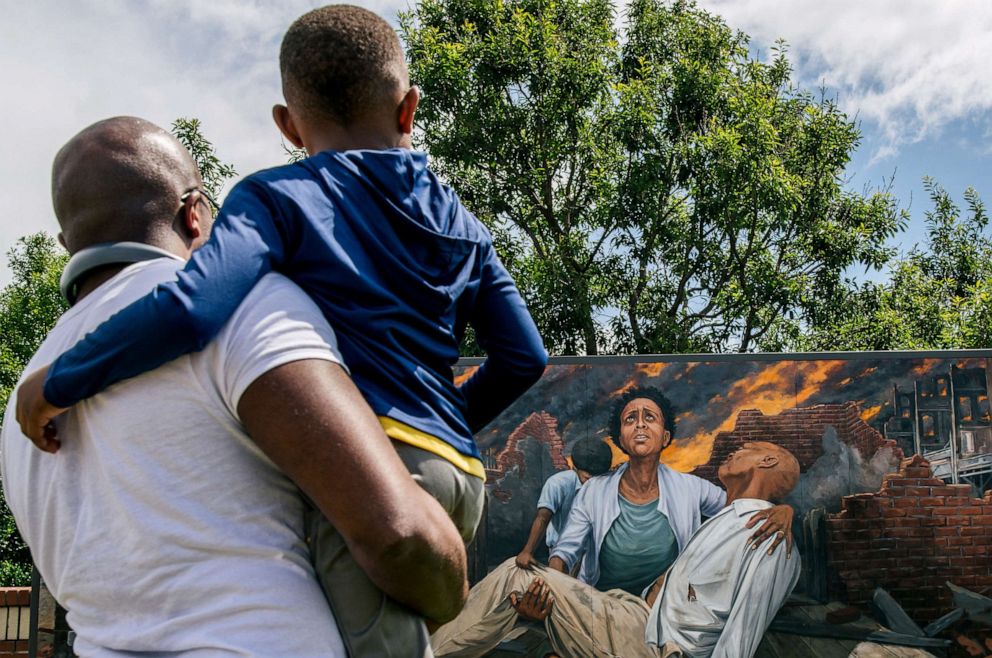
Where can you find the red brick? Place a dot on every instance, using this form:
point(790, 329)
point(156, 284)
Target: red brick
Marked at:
point(972, 510)
point(954, 490)
point(904, 523)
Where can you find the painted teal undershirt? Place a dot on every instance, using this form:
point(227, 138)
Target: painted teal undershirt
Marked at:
point(637, 549)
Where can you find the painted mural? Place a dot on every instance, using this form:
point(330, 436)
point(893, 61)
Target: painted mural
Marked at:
point(893, 517)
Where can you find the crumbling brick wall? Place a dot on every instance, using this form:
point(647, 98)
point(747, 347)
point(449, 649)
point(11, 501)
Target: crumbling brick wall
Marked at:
point(799, 430)
point(543, 428)
point(910, 537)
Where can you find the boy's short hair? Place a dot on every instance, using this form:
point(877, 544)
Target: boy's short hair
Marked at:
point(592, 455)
point(340, 61)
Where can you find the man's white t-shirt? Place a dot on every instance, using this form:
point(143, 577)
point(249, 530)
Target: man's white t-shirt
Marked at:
point(159, 525)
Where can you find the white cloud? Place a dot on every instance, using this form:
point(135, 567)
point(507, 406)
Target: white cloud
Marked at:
point(909, 68)
point(65, 65)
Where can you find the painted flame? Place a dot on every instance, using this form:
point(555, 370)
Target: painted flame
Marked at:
point(651, 369)
point(868, 414)
point(641, 372)
point(771, 391)
point(462, 378)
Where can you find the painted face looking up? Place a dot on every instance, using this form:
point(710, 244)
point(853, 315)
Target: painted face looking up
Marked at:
point(642, 428)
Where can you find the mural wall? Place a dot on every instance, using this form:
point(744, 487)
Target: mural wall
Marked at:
point(895, 453)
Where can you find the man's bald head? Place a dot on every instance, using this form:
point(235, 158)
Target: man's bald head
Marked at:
point(120, 180)
point(765, 470)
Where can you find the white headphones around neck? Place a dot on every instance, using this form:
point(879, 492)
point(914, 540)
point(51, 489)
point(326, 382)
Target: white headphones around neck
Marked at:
point(99, 255)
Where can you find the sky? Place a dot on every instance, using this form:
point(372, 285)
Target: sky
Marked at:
point(912, 72)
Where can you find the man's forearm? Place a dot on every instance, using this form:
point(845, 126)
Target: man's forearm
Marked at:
point(312, 422)
point(417, 571)
point(558, 564)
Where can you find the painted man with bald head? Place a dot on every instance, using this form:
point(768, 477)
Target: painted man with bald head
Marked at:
point(719, 597)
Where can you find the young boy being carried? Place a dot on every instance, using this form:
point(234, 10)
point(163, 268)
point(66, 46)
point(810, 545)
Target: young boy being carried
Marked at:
point(392, 258)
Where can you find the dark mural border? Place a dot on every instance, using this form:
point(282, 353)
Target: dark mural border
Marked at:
point(752, 356)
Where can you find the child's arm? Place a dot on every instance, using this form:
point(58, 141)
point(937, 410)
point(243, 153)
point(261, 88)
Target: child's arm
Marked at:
point(537, 530)
point(515, 352)
point(179, 316)
point(573, 537)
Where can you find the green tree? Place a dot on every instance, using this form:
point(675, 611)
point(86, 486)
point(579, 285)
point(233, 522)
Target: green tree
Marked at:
point(29, 307)
point(658, 190)
point(213, 170)
point(936, 296)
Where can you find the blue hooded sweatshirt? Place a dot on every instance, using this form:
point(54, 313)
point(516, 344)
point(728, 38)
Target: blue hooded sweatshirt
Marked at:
point(394, 261)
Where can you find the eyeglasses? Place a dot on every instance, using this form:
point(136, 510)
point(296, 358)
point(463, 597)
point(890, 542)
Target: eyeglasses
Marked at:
point(211, 202)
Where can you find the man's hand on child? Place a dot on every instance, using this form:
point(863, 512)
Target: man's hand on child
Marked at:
point(34, 414)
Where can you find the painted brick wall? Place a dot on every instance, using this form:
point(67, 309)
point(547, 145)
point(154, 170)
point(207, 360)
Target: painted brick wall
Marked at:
point(910, 537)
point(799, 430)
point(542, 427)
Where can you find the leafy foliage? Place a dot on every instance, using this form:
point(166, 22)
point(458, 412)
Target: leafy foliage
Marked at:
point(29, 307)
point(293, 154)
point(213, 170)
point(652, 191)
point(938, 296)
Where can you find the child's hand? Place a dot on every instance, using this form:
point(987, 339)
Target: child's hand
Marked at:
point(525, 560)
point(34, 414)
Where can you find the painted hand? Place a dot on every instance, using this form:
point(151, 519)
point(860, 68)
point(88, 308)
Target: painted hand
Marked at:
point(777, 525)
point(536, 602)
point(525, 560)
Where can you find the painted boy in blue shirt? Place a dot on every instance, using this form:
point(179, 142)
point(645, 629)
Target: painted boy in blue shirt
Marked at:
point(590, 457)
point(387, 251)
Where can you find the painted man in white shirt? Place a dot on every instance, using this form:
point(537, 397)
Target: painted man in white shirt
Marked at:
point(719, 597)
point(158, 523)
point(715, 601)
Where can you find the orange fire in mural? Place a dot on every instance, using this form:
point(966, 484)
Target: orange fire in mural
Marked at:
point(775, 388)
